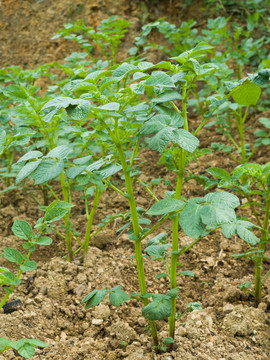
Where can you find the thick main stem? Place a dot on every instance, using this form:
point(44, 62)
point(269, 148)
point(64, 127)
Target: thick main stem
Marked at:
point(263, 243)
point(90, 220)
point(175, 221)
point(66, 219)
point(136, 230)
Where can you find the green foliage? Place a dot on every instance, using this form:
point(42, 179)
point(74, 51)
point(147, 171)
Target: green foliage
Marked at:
point(25, 347)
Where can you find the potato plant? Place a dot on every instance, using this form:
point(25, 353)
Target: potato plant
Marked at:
point(251, 182)
point(127, 103)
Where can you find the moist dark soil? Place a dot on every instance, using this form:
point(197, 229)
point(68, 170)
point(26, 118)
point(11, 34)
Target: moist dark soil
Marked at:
point(228, 327)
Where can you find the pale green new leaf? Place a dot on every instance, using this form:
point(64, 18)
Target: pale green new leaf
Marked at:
point(247, 93)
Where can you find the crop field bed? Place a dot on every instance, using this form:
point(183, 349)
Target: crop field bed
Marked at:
point(223, 322)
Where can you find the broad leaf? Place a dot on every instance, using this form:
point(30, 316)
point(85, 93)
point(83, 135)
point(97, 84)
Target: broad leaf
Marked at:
point(29, 265)
point(160, 308)
point(247, 93)
point(185, 140)
point(118, 296)
point(13, 255)
point(159, 78)
point(56, 211)
point(48, 170)
point(22, 229)
point(94, 298)
point(27, 170)
point(166, 206)
point(60, 152)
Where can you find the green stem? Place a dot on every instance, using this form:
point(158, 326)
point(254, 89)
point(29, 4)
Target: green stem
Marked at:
point(90, 220)
point(175, 220)
point(66, 218)
point(136, 229)
point(263, 243)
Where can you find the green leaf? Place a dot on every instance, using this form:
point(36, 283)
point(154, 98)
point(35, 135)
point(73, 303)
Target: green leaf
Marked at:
point(247, 235)
point(27, 170)
point(168, 340)
point(78, 109)
point(61, 102)
point(123, 70)
point(185, 140)
point(167, 96)
point(159, 78)
point(222, 199)
point(160, 308)
point(247, 93)
point(163, 138)
point(94, 298)
point(155, 124)
point(56, 211)
point(166, 206)
point(194, 306)
point(8, 278)
point(113, 106)
point(118, 296)
point(15, 92)
point(157, 251)
point(160, 238)
point(44, 240)
point(110, 170)
point(48, 170)
point(30, 155)
point(265, 122)
point(22, 229)
point(219, 173)
point(187, 273)
point(161, 275)
point(13, 255)
point(29, 265)
point(60, 152)
point(190, 219)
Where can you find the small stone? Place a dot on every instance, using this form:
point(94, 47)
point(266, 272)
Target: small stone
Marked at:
point(97, 321)
point(79, 290)
point(227, 308)
point(102, 311)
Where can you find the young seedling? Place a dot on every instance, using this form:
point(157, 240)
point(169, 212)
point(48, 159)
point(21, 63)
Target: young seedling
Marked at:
point(23, 230)
point(245, 93)
point(252, 182)
point(24, 347)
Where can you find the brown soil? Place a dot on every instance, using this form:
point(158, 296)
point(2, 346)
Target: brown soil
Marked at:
point(228, 327)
